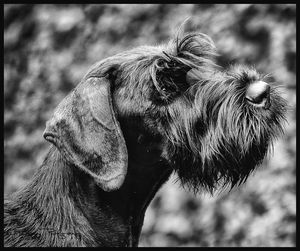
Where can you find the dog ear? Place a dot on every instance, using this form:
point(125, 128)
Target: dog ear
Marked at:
point(85, 130)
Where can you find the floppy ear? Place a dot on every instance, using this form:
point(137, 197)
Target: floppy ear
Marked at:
point(85, 130)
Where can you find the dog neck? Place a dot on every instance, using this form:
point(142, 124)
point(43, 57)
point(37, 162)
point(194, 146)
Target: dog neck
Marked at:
point(61, 196)
point(147, 172)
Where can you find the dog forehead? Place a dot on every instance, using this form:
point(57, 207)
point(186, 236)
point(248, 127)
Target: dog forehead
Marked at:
point(148, 49)
point(140, 53)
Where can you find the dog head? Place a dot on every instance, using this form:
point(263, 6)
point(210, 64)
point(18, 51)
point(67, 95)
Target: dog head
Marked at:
point(196, 116)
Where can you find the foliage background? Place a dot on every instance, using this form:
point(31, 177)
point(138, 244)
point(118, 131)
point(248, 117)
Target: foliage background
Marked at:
point(48, 48)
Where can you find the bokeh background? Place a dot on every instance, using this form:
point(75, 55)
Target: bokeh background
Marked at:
point(48, 49)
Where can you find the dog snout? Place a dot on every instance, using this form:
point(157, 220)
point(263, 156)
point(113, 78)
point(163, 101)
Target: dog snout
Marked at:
point(258, 94)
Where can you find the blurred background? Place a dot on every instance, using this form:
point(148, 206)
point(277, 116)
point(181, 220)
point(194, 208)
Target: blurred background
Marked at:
point(48, 49)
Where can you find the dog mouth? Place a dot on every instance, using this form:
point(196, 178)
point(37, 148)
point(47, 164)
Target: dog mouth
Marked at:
point(264, 103)
point(258, 94)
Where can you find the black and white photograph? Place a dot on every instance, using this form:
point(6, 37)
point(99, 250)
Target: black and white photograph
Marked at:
point(149, 125)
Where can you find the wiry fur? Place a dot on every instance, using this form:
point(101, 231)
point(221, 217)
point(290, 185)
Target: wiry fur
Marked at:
point(213, 137)
point(48, 204)
point(179, 112)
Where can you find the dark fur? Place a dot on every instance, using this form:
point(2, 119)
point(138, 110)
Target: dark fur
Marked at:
point(178, 112)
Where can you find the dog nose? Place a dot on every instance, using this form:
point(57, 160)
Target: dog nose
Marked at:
point(258, 93)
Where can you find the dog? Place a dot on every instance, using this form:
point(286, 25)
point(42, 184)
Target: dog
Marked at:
point(133, 120)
